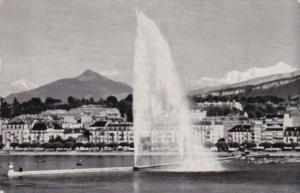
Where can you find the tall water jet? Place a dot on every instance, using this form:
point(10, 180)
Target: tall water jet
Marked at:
point(163, 133)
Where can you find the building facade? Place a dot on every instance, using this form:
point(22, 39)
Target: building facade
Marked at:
point(241, 134)
point(109, 133)
point(14, 132)
point(292, 135)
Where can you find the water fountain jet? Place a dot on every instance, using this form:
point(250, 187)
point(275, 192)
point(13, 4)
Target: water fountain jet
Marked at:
point(163, 133)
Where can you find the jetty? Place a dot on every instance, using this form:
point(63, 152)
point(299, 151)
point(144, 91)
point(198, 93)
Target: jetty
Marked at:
point(14, 174)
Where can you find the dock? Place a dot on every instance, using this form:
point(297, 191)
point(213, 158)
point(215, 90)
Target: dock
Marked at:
point(14, 174)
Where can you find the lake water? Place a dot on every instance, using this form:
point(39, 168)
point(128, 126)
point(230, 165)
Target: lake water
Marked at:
point(239, 178)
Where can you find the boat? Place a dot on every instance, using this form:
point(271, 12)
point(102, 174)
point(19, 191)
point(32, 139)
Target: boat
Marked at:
point(79, 163)
point(41, 161)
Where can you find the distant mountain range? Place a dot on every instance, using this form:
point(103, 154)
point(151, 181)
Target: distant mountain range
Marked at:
point(88, 84)
point(234, 76)
point(282, 85)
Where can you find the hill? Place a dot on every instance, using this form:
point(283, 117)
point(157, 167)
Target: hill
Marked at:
point(88, 84)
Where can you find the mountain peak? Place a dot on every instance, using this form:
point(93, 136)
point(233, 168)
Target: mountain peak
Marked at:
point(86, 85)
point(89, 72)
point(88, 75)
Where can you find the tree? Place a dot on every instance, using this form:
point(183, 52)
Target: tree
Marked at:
point(69, 145)
point(249, 145)
point(14, 145)
point(293, 145)
point(111, 101)
point(131, 145)
point(78, 145)
point(113, 145)
point(266, 145)
point(5, 109)
point(87, 145)
point(1, 146)
point(71, 139)
point(72, 101)
point(234, 145)
point(92, 101)
point(125, 108)
point(57, 139)
point(221, 145)
point(51, 101)
point(57, 145)
point(86, 133)
point(16, 108)
point(129, 98)
point(35, 145)
point(279, 145)
point(24, 145)
point(100, 145)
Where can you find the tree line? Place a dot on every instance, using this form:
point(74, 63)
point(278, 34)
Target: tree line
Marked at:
point(224, 146)
point(70, 144)
point(36, 105)
point(255, 106)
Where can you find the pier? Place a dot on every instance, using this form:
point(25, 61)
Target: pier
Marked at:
point(13, 174)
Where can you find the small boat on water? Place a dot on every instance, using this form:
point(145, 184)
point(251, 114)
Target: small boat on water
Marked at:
point(79, 163)
point(41, 161)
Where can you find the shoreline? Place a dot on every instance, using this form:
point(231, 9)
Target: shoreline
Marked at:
point(69, 153)
point(120, 153)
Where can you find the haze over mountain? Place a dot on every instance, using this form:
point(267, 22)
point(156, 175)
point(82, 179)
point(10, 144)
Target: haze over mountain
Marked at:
point(88, 84)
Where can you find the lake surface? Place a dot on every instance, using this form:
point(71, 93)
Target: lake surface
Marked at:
point(238, 178)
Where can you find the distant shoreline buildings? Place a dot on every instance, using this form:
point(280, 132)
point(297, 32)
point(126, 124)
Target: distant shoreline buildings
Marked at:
point(96, 124)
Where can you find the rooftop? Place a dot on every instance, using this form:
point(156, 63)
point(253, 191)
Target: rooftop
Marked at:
point(292, 129)
point(99, 124)
point(240, 128)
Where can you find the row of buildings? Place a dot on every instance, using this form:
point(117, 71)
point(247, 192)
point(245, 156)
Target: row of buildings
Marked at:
point(97, 124)
point(273, 128)
point(91, 123)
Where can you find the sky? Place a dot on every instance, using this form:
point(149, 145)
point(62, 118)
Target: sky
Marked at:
point(42, 41)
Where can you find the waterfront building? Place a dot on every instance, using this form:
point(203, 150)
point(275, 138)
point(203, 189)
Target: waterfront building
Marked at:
point(74, 133)
point(107, 132)
point(292, 135)
point(259, 130)
point(275, 126)
point(228, 122)
point(42, 132)
point(208, 131)
point(14, 132)
point(241, 133)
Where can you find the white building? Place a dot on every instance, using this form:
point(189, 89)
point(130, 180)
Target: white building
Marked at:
point(208, 131)
point(259, 130)
point(275, 126)
point(240, 134)
point(228, 122)
point(292, 135)
point(14, 132)
point(42, 132)
point(75, 133)
point(106, 132)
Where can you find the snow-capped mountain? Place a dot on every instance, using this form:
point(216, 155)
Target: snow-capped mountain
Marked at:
point(234, 76)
